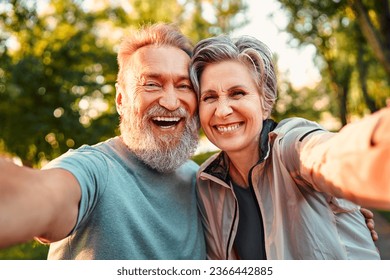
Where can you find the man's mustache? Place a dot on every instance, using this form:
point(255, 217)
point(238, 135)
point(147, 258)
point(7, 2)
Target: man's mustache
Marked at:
point(158, 111)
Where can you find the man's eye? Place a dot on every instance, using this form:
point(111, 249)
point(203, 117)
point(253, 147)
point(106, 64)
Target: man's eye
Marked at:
point(185, 86)
point(152, 84)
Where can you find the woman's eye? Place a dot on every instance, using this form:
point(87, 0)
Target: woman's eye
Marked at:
point(237, 94)
point(208, 98)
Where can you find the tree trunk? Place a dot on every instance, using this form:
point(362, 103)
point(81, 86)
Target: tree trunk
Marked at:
point(373, 38)
point(340, 84)
point(362, 69)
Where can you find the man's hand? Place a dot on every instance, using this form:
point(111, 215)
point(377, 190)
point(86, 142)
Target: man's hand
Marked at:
point(370, 222)
point(381, 134)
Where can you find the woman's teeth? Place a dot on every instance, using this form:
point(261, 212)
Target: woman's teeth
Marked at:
point(227, 128)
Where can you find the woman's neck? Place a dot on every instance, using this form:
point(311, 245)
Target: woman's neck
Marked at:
point(240, 165)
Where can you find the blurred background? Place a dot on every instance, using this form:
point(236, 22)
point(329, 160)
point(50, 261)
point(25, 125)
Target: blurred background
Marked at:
point(58, 68)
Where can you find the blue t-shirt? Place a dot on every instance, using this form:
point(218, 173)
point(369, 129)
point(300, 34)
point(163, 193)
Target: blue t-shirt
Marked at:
point(128, 210)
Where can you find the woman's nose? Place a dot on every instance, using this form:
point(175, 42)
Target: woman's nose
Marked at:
point(223, 108)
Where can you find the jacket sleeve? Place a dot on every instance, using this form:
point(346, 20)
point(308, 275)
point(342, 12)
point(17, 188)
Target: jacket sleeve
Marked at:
point(353, 163)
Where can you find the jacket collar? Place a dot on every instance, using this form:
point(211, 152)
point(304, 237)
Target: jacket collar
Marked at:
point(219, 167)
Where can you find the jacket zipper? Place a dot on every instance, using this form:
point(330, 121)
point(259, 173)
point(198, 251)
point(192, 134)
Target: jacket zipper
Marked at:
point(258, 207)
point(231, 228)
point(257, 204)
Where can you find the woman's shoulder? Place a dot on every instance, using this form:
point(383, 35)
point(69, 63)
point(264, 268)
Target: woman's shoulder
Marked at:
point(296, 122)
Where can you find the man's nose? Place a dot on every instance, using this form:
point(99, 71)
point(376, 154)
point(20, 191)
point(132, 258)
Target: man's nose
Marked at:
point(169, 100)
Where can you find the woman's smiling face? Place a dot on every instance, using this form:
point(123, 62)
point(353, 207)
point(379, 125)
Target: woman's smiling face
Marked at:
point(230, 107)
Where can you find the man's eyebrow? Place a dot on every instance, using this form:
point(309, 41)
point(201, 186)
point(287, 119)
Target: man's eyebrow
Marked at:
point(183, 77)
point(160, 76)
point(150, 75)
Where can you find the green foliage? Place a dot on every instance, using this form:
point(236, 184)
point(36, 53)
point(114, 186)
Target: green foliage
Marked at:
point(306, 103)
point(386, 215)
point(58, 66)
point(205, 18)
point(26, 251)
point(347, 47)
point(200, 158)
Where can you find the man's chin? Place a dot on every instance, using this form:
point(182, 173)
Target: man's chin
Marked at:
point(163, 154)
point(162, 149)
point(167, 137)
point(167, 142)
point(163, 160)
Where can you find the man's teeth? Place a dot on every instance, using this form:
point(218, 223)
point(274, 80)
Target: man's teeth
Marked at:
point(166, 119)
point(224, 128)
point(166, 122)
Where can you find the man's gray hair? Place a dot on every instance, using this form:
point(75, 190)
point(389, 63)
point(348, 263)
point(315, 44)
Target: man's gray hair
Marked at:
point(159, 34)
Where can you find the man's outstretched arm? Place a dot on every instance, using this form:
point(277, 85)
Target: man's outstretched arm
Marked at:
point(36, 203)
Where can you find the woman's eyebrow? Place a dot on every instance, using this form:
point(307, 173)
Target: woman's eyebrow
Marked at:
point(208, 91)
point(229, 89)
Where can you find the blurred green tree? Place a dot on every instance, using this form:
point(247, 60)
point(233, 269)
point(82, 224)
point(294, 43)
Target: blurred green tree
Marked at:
point(58, 79)
point(352, 53)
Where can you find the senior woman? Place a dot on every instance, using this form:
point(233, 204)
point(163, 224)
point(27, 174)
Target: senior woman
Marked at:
point(276, 191)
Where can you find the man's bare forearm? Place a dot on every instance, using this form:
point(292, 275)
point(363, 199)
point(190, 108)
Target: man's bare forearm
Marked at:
point(18, 216)
point(36, 203)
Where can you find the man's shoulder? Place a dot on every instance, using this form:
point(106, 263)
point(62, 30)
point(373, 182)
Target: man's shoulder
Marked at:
point(84, 154)
point(190, 165)
point(187, 170)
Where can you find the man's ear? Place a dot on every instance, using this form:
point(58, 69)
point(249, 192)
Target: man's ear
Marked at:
point(118, 98)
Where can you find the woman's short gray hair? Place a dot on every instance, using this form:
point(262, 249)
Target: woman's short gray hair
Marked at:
point(246, 49)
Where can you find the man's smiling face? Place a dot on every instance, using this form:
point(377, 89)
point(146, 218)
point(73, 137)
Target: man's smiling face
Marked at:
point(158, 105)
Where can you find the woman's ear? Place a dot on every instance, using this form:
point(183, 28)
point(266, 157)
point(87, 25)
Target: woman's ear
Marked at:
point(264, 111)
point(118, 98)
point(266, 114)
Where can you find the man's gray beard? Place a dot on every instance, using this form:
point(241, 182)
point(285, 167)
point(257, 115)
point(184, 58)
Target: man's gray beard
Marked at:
point(163, 153)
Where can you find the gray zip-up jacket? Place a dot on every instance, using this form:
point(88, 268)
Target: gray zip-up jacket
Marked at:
point(301, 218)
